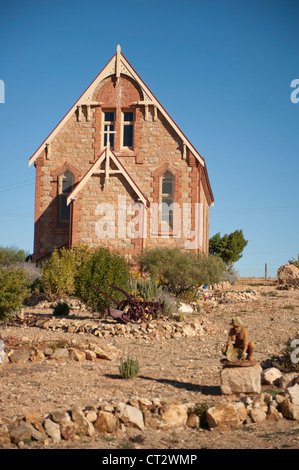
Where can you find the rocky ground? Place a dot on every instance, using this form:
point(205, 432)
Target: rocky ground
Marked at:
point(179, 368)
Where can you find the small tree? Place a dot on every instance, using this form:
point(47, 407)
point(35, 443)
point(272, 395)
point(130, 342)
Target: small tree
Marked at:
point(58, 277)
point(13, 291)
point(10, 255)
point(229, 247)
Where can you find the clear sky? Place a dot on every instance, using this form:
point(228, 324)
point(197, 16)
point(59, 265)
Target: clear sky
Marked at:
point(221, 68)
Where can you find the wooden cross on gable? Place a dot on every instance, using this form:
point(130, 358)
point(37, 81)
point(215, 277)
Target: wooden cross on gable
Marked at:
point(107, 163)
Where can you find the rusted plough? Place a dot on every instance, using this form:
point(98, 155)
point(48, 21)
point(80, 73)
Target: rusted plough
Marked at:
point(131, 309)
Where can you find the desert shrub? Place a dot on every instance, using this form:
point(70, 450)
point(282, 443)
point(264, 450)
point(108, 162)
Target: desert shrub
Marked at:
point(295, 261)
point(180, 270)
point(32, 273)
point(61, 309)
point(102, 269)
point(13, 291)
point(58, 276)
point(11, 254)
point(230, 274)
point(129, 368)
point(146, 289)
point(171, 304)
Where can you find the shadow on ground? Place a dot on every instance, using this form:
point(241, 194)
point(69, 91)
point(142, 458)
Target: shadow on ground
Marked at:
point(190, 387)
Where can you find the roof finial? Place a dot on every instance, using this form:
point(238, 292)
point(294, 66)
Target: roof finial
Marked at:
point(117, 65)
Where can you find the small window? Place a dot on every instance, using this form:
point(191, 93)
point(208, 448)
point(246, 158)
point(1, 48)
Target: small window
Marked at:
point(128, 125)
point(66, 183)
point(109, 121)
point(167, 198)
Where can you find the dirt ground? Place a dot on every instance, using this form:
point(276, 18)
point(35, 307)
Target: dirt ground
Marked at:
point(186, 368)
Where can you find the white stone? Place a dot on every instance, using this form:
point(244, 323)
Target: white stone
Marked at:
point(269, 376)
point(131, 416)
point(185, 308)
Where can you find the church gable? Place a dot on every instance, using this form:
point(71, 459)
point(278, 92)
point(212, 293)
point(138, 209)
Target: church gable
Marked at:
point(117, 143)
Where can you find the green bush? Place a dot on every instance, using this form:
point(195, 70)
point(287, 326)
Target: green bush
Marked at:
point(13, 291)
point(61, 309)
point(58, 278)
point(102, 269)
point(180, 270)
point(129, 368)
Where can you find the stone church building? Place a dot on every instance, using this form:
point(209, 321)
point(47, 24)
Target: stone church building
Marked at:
point(117, 171)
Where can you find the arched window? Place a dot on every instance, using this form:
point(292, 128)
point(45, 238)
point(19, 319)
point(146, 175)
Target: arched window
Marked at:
point(167, 198)
point(65, 186)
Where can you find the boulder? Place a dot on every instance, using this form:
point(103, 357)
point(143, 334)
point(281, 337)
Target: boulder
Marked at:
point(185, 308)
point(106, 422)
point(19, 434)
point(131, 416)
point(287, 380)
point(60, 353)
point(52, 429)
point(258, 415)
point(77, 354)
point(83, 426)
point(289, 410)
point(271, 376)
point(67, 428)
point(235, 380)
point(226, 416)
point(288, 274)
point(175, 414)
point(19, 356)
point(294, 393)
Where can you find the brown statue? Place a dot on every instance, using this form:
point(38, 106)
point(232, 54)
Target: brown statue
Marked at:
point(238, 349)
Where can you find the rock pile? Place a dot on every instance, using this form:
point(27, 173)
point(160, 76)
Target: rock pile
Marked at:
point(138, 413)
point(76, 352)
point(162, 328)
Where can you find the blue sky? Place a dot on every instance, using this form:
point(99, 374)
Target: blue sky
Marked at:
point(222, 69)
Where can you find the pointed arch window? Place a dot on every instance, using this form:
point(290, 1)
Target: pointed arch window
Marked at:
point(167, 184)
point(65, 187)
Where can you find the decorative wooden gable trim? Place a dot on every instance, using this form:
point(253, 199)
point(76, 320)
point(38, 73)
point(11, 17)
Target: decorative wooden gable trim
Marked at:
point(95, 169)
point(116, 66)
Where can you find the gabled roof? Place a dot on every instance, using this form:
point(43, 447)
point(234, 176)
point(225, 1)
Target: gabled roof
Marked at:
point(116, 66)
point(109, 155)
